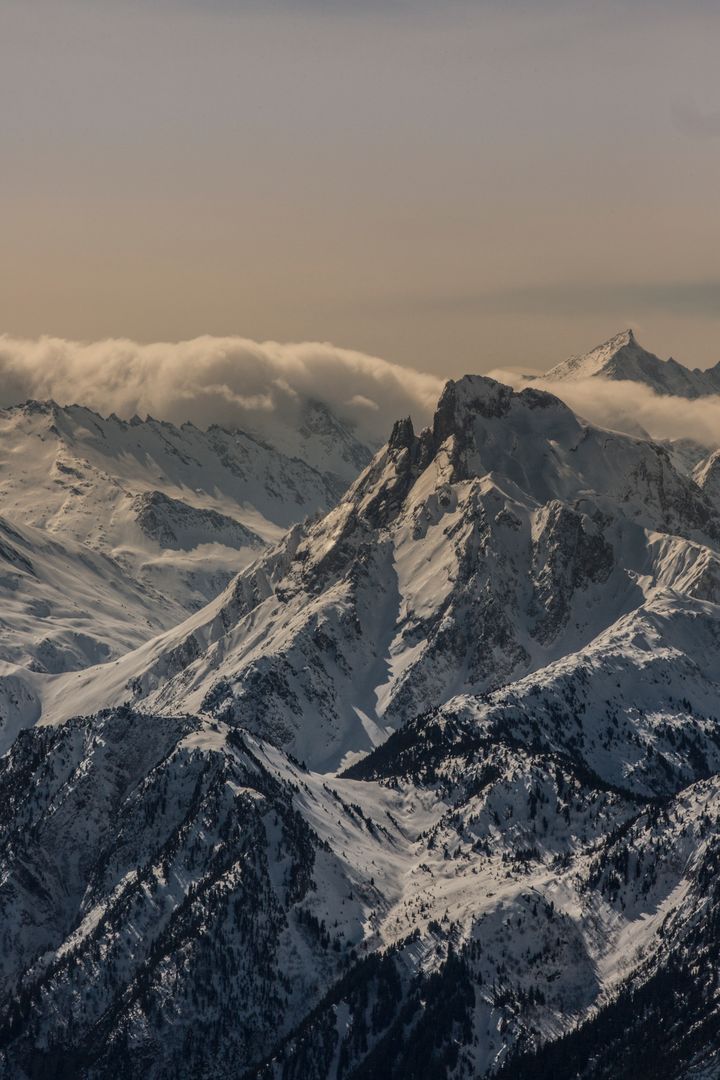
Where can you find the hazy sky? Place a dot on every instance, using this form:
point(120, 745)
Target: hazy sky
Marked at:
point(455, 185)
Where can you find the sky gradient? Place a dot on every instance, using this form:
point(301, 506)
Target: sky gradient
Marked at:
point(452, 187)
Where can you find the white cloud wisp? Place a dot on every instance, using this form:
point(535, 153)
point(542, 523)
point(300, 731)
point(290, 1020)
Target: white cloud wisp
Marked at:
point(629, 406)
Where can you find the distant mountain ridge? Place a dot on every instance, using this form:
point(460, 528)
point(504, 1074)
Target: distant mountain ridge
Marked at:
point(623, 358)
point(149, 519)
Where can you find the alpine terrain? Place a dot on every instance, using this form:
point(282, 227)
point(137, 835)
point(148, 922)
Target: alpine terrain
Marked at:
point(113, 530)
point(430, 787)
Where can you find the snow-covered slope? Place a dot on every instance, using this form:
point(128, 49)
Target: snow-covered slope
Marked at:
point(707, 475)
point(64, 606)
point(141, 490)
point(622, 357)
point(175, 513)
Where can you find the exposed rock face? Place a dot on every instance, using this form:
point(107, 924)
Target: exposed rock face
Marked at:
point(174, 524)
point(569, 550)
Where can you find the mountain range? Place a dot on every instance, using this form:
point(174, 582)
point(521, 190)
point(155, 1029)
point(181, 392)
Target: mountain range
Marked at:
point(430, 788)
point(162, 517)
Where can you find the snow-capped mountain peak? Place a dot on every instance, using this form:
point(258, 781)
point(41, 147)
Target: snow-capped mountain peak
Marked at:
point(508, 536)
point(623, 358)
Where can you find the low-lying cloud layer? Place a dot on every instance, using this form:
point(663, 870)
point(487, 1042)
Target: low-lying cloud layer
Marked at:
point(630, 406)
point(238, 382)
point(209, 380)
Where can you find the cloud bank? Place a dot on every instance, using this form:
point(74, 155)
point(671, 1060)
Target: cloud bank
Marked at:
point(262, 386)
point(631, 407)
point(230, 381)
